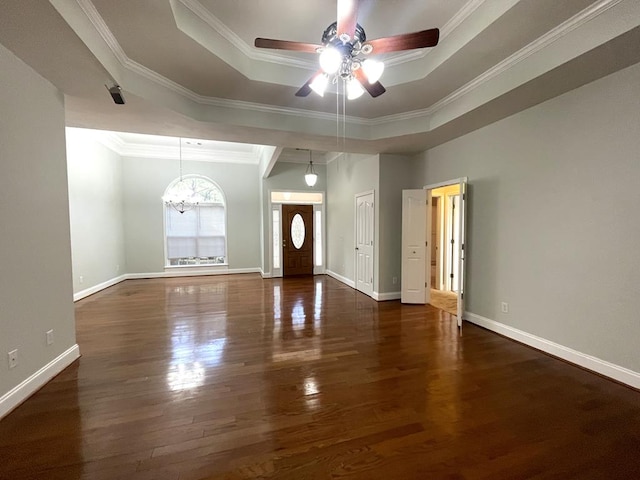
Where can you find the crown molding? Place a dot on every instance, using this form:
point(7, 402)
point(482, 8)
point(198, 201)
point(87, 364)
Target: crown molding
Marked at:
point(114, 142)
point(101, 27)
point(460, 16)
point(454, 22)
point(216, 24)
point(539, 44)
point(110, 140)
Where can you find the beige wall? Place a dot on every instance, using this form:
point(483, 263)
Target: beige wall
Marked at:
point(35, 279)
point(347, 176)
point(95, 209)
point(553, 221)
point(145, 181)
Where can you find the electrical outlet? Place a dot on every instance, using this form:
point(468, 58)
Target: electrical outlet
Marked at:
point(505, 307)
point(50, 337)
point(13, 358)
point(395, 280)
point(81, 279)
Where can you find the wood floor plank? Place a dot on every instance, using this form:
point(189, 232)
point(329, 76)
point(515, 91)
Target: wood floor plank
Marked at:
point(236, 377)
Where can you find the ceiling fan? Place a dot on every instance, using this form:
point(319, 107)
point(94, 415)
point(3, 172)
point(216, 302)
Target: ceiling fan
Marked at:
point(344, 53)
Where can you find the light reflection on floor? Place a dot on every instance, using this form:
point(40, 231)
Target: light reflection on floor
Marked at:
point(190, 359)
point(296, 333)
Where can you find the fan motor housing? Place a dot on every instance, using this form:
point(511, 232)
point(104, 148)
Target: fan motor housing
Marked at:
point(330, 36)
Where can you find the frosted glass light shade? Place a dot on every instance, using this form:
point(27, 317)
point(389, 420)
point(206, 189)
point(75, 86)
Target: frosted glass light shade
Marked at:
point(372, 69)
point(319, 84)
point(354, 89)
point(330, 60)
point(311, 179)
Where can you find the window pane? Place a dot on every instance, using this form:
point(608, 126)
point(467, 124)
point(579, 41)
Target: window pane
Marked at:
point(197, 236)
point(211, 221)
point(211, 246)
point(181, 224)
point(318, 239)
point(181, 247)
point(297, 231)
point(276, 239)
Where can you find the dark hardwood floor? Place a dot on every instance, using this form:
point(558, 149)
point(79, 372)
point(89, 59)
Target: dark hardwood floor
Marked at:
point(235, 377)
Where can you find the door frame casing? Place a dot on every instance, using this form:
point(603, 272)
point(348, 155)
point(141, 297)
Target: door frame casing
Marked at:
point(317, 270)
point(463, 241)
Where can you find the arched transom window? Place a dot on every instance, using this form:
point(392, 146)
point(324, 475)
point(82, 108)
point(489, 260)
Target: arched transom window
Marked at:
point(196, 233)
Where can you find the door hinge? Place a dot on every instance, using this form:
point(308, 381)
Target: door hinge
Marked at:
point(464, 196)
point(452, 242)
point(426, 244)
point(451, 275)
point(425, 284)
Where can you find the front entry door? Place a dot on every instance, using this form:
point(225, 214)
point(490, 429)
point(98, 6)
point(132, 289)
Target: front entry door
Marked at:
point(297, 240)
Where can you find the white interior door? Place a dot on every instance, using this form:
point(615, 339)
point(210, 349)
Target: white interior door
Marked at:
point(365, 216)
point(462, 230)
point(414, 247)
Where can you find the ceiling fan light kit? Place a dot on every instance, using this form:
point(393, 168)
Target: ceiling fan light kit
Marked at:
point(344, 52)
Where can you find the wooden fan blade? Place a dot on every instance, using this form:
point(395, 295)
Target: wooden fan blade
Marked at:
point(286, 45)
point(375, 89)
point(407, 41)
point(306, 88)
point(347, 17)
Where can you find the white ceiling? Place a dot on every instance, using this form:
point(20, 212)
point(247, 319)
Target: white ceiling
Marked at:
point(188, 67)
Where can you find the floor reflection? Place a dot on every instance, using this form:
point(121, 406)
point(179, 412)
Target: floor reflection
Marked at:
point(297, 325)
point(197, 334)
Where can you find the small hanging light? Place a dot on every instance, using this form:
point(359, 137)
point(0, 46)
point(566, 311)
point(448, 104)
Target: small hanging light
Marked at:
point(181, 197)
point(310, 177)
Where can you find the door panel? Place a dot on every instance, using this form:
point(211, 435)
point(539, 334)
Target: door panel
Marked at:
point(462, 211)
point(414, 249)
point(297, 236)
point(365, 215)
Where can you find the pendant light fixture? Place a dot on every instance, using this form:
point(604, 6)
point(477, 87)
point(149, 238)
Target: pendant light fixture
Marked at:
point(310, 177)
point(181, 195)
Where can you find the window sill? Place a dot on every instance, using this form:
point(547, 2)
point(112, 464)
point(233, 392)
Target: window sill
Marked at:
point(198, 268)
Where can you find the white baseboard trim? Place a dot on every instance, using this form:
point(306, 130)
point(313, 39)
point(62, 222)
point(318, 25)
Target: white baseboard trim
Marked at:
point(265, 274)
point(96, 288)
point(340, 278)
point(611, 370)
point(174, 273)
point(383, 297)
point(197, 273)
point(28, 387)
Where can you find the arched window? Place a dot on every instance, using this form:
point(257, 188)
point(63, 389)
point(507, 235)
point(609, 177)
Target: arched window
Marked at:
point(197, 234)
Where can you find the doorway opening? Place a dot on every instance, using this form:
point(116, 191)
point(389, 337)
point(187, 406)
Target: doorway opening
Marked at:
point(445, 237)
point(433, 238)
point(445, 254)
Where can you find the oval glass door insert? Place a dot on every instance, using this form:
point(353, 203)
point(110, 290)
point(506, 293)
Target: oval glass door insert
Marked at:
point(297, 231)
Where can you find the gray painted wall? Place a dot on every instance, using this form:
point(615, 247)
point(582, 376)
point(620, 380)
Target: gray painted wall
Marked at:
point(144, 183)
point(396, 174)
point(553, 222)
point(35, 283)
point(95, 208)
point(347, 176)
point(286, 176)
